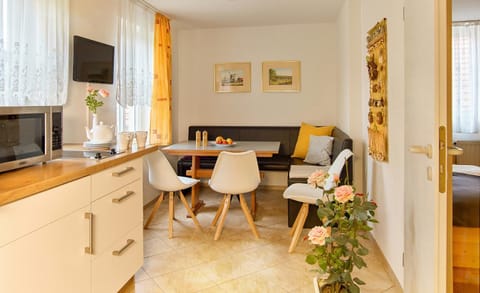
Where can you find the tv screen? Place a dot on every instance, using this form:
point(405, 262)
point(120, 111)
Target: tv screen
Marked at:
point(92, 61)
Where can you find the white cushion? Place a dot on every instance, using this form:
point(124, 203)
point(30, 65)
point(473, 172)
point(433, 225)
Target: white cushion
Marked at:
point(303, 192)
point(319, 150)
point(304, 171)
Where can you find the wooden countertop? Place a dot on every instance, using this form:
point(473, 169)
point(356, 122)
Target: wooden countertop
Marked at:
point(21, 183)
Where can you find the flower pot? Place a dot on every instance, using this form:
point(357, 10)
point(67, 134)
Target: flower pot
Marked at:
point(319, 287)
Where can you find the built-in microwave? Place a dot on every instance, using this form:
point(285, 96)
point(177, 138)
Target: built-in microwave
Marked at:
point(29, 135)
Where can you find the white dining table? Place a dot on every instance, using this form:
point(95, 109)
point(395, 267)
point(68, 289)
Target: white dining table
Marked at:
point(190, 148)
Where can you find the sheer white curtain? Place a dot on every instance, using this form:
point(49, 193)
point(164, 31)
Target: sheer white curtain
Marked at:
point(34, 40)
point(134, 65)
point(466, 77)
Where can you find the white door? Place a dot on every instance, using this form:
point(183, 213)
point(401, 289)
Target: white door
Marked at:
point(425, 91)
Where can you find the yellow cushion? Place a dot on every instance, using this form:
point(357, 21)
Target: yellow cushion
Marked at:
point(303, 140)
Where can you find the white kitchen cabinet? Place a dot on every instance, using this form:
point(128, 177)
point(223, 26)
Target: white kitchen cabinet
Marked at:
point(50, 259)
point(48, 244)
point(118, 263)
point(118, 229)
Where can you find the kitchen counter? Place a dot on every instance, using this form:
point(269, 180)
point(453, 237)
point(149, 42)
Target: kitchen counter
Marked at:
point(22, 183)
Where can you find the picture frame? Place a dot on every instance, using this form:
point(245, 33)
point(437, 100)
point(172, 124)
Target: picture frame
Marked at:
point(281, 76)
point(232, 77)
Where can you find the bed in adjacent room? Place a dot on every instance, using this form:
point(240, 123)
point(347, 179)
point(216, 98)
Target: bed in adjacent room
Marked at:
point(466, 224)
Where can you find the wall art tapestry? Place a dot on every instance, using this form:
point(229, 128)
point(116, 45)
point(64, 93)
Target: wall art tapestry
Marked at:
point(377, 104)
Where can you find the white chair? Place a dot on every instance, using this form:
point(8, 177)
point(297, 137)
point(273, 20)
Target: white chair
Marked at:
point(162, 177)
point(234, 173)
point(307, 195)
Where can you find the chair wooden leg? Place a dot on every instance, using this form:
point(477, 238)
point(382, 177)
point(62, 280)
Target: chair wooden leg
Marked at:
point(226, 206)
point(299, 227)
point(189, 210)
point(246, 211)
point(254, 204)
point(219, 211)
point(154, 210)
point(171, 209)
point(299, 215)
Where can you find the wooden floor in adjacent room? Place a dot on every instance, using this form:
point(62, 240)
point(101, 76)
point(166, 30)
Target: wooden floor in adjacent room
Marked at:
point(193, 262)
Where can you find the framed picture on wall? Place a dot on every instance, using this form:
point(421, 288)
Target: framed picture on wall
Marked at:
point(232, 77)
point(281, 76)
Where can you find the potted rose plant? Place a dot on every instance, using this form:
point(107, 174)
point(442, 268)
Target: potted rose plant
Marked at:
point(345, 217)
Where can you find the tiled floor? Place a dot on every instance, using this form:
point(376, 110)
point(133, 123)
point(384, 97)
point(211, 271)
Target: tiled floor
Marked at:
point(193, 262)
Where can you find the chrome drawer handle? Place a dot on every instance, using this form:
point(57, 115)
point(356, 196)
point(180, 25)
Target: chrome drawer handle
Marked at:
point(89, 248)
point(123, 172)
point(120, 199)
point(122, 250)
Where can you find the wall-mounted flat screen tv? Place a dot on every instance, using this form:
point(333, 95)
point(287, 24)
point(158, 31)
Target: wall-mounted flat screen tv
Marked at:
point(92, 61)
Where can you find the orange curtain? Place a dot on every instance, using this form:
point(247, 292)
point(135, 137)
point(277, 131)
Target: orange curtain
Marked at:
point(161, 113)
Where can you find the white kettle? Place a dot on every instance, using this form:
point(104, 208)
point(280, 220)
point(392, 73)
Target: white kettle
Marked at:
point(100, 133)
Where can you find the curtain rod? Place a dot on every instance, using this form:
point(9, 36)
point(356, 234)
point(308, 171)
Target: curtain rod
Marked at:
point(475, 21)
point(151, 7)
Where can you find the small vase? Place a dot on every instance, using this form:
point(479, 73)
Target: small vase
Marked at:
point(94, 120)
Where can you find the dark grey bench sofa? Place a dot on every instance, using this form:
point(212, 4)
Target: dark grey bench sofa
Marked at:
point(287, 136)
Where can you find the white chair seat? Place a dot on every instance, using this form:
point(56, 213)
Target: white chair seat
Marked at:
point(162, 177)
point(187, 182)
point(234, 173)
point(308, 195)
point(303, 192)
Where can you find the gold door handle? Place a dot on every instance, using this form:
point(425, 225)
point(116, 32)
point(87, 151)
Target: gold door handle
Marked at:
point(125, 247)
point(123, 172)
point(417, 149)
point(124, 197)
point(89, 248)
point(454, 151)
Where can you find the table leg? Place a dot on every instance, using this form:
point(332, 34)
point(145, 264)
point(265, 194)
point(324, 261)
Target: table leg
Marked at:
point(196, 204)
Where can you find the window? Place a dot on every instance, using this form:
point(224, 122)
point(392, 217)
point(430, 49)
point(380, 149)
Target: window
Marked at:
point(466, 78)
point(34, 40)
point(134, 66)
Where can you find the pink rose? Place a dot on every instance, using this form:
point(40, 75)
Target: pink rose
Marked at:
point(336, 178)
point(318, 234)
point(89, 89)
point(103, 93)
point(344, 193)
point(317, 178)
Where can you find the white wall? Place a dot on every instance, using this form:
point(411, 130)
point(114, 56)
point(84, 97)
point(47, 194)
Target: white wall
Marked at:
point(349, 93)
point(95, 20)
point(383, 181)
point(197, 51)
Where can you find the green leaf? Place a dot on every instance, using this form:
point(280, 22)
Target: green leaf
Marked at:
point(311, 259)
point(352, 288)
point(358, 281)
point(362, 251)
point(358, 261)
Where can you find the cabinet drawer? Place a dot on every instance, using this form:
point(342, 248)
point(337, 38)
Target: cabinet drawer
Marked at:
point(27, 215)
point(113, 178)
point(115, 214)
point(115, 266)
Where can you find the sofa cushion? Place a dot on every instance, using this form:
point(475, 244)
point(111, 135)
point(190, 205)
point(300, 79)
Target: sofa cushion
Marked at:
point(303, 139)
point(319, 150)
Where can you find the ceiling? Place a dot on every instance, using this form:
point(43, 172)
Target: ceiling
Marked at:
point(465, 10)
point(231, 13)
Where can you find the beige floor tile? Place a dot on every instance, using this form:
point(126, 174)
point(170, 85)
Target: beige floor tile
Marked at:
point(252, 284)
point(147, 286)
point(140, 275)
point(193, 262)
point(184, 281)
point(214, 289)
